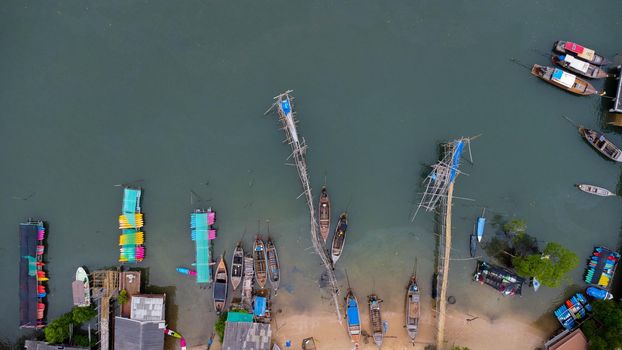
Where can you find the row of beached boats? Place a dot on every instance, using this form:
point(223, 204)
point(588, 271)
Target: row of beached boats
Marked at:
point(577, 59)
point(377, 326)
point(261, 265)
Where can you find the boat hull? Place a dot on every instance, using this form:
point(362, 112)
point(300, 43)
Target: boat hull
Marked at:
point(580, 86)
point(595, 190)
point(274, 270)
point(601, 144)
point(324, 214)
point(599, 60)
point(237, 267)
point(220, 286)
point(339, 238)
point(413, 311)
point(259, 258)
point(353, 318)
point(375, 319)
point(592, 72)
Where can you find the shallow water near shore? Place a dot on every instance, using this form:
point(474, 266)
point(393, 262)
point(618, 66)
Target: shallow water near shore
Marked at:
point(170, 97)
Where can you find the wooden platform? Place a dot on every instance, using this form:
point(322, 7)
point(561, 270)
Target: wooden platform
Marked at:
point(130, 281)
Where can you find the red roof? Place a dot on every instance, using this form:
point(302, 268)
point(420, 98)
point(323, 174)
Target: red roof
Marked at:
point(573, 341)
point(572, 47)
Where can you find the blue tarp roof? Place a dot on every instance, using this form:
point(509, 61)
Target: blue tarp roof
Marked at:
point(557, 74)
point(260, 306)
point(455, 160)
point(481, 222)
point(353, 312)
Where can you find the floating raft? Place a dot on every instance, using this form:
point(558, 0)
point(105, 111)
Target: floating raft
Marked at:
point(501, 279)
point(32, 292)
point(131, 239)
point(202, 232)
point(601, 267)
point(574, 309)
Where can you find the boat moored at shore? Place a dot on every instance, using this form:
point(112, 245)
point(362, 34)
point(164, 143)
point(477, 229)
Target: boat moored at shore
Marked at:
point(237, 266)
point(259, 258)
point(274, 269)
point(324, 210)
point(413, 310)
point(354, 319)
point(375, 319)
point(339, 238)
point(220, 286)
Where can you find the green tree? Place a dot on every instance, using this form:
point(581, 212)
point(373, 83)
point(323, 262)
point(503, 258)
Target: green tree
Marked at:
point(604, 329)
point(515, 226)
point(57, 331)
point(550, 267)
point(80, 315)
point(459, 348)
point(219, 327)
point(122, 298)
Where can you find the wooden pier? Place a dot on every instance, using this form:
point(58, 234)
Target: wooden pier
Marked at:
point(285, 111)
point(438, 195)
point(105, 286)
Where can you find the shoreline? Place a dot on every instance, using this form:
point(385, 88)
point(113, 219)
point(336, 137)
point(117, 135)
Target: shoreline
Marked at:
point(519, 331)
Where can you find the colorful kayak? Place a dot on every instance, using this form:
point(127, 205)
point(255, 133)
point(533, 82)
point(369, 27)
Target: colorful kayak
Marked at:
point(186, 271)
point(481, 224)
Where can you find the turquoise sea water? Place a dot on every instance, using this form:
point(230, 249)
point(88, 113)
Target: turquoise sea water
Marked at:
point(171, 95)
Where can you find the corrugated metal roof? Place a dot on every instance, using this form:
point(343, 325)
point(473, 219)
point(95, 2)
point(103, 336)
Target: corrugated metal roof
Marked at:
point(41, 345)
point(138, 335)
point(147, 307)
point(247, 336)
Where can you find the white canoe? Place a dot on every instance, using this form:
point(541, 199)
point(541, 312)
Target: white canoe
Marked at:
point(595, 190)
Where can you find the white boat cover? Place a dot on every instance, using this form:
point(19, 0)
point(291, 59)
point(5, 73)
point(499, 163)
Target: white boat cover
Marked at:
point(564, 78)
point(577, 63)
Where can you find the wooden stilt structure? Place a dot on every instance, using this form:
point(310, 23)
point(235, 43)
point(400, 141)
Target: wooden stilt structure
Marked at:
point(285, 110)
point(439, 189)
point(105, 286)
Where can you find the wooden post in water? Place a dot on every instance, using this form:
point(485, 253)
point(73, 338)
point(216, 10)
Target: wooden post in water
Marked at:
point(285, 111)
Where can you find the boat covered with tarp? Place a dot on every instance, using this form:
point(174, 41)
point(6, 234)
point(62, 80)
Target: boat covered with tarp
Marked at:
point(573, 310)
point(500, 278)
point(601, 267)
point(563, 80)
point(80, 288)
point(598, 293)
point(132, 238)
point(202, 233)
point(32, 277)
point(354, 318)
point(580, 51)
point(578, 66)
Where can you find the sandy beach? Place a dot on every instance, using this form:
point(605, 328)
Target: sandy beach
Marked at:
point(513, 332)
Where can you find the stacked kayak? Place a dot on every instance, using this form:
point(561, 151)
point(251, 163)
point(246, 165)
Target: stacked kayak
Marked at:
point(572, 310)
point(132, 238)
point(601, 267)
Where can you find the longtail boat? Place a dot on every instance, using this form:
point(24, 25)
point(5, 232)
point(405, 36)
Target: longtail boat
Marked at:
point(324, 209)
point(81, 288)
point(247, 283)
point(237, 266)
point(375, 319)
point(604, 146)
point(259, 257)
point(581, 52)
point(413, 311)
point(353, 315)
point(564, 80)
point(220, 286)
point(274, 269)
point(595, 190)
point(339, 238)
point(578, 66)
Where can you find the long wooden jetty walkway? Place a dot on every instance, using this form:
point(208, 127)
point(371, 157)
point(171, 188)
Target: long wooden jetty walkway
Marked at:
point(439, 189)
point(285, 110)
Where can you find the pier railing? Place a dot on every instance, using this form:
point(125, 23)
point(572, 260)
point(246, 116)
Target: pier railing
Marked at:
point(285, 110)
